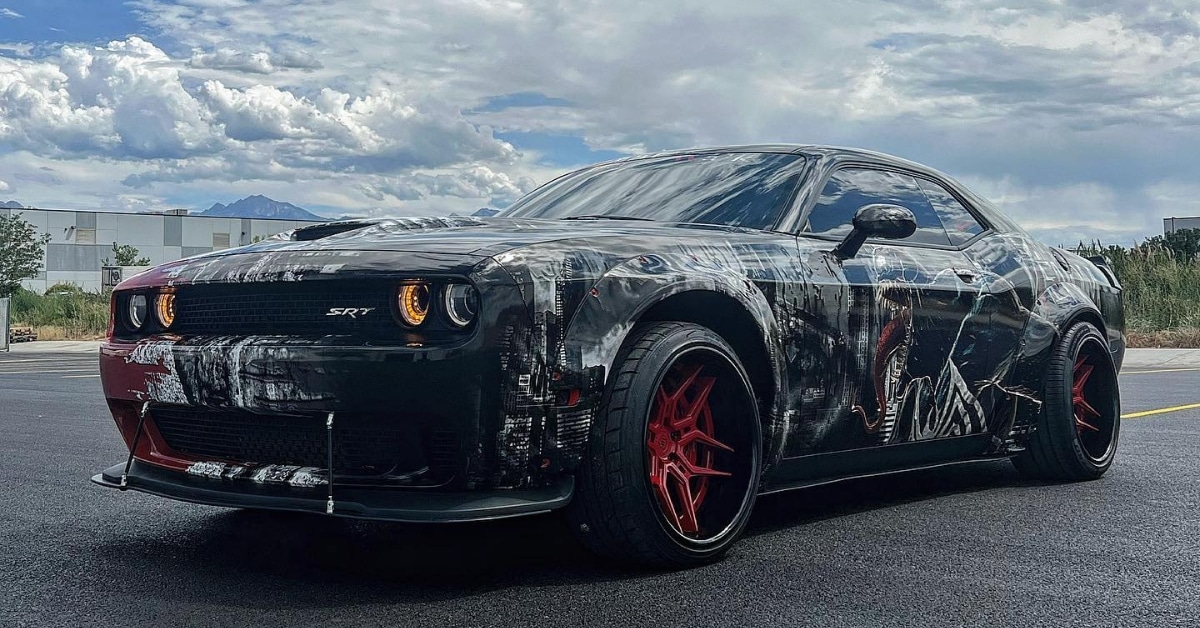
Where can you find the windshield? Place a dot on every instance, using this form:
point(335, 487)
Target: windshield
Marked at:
point(734, 189)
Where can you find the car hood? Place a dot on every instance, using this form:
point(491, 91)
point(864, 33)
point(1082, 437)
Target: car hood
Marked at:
point(452, 245)
point(482, 237)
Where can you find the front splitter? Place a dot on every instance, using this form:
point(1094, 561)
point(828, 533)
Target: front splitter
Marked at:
point(384, 504)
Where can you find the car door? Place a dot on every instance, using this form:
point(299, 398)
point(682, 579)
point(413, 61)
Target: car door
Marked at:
point(904, 360)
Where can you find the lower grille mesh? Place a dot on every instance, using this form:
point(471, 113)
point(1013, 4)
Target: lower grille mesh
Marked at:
point(364, 445)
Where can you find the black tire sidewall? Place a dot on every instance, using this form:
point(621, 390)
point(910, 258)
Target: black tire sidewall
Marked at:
point(1061, 417)
point(665, 545)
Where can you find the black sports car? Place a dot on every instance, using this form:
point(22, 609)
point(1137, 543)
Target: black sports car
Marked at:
point(649, 343)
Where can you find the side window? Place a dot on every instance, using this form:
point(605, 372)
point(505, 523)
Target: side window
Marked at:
point(851, 188)
point(959, 223)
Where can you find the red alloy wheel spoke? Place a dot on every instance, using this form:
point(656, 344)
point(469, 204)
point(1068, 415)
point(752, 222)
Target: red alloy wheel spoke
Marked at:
point(696, 436)
point(681, 446)
point(1083, 410)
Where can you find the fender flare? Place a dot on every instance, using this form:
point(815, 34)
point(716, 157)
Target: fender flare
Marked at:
point(624, 294)
point(1058, 307)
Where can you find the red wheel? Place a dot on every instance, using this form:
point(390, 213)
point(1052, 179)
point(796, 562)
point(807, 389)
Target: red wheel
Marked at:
point(675, 454)
point(681, 444)
point(1076, 437)
point(1091, 407)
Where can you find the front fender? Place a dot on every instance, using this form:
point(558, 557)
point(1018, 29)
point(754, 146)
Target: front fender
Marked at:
point(616, 302)
point(620, 297)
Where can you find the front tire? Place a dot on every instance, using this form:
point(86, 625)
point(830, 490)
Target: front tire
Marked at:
point(674, 458)
point(1077, 432)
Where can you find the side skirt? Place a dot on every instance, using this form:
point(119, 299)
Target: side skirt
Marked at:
point(846, 478)
point(871, 461)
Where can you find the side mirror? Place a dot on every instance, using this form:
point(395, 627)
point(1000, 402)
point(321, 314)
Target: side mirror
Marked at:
point(878, 220)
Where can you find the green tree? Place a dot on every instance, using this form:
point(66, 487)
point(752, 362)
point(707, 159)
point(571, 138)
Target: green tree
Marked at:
point(127, 255)
point(1184, 244)
point(21, 252)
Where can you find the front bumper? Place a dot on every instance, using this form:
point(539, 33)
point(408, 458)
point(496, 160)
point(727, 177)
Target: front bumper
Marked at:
point(445, 399)
point(416, 506)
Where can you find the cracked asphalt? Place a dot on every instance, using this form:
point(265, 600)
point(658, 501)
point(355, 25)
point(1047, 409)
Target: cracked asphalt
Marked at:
point(962, 546)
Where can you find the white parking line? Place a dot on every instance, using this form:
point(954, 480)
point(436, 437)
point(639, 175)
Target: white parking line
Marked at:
point(1179, 370)
point(79, 376)
point(50, 371)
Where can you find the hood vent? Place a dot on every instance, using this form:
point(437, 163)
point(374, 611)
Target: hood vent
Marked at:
point(324, 230)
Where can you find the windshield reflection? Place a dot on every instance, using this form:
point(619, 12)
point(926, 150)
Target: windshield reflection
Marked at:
point(734, 189)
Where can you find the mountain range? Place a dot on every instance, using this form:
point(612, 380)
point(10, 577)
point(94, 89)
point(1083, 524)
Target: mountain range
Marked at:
point(259, 206)
point(11, 205)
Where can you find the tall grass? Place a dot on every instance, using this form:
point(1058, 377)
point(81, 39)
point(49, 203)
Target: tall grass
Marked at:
point(79, 314)
point(1161, 288)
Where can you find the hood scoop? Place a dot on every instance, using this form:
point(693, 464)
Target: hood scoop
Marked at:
point(326, 229)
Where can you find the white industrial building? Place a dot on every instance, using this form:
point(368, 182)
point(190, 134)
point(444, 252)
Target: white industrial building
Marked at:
point(81, 240)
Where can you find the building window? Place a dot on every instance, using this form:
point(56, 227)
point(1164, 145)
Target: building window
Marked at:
point(220, 241)
point(85, 236)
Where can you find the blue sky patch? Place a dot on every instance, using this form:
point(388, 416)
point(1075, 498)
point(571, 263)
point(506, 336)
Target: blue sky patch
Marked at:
point(69, 21)
point(521, 99)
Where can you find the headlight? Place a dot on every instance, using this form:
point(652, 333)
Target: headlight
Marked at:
point(412, 300)
point(462, 303)
point(165, 306)
point(137, 311)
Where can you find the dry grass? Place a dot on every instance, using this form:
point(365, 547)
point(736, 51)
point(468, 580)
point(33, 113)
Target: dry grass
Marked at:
point(57, 332)
point(1167, 339)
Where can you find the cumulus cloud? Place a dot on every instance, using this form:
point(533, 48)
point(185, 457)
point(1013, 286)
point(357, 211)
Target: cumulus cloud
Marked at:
point(476, 182)
point(4, 186)
point(1087, 106)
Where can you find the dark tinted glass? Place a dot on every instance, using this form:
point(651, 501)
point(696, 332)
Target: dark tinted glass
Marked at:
point(959, 223)
point(735, 189)
point(851, 188)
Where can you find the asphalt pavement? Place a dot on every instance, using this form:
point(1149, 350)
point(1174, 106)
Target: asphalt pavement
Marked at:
point(964, 546)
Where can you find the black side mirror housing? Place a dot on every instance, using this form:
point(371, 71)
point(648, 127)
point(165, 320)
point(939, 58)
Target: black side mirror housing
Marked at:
point(878, 220)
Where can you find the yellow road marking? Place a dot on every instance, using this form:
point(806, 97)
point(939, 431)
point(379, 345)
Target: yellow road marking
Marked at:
point(1138, 415)
point(1179, 370)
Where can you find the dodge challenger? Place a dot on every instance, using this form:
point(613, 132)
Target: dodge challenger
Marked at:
point(647, 344)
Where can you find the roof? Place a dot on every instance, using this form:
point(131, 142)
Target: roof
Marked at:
point(814, 150)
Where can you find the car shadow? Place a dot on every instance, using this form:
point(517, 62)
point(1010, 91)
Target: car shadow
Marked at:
point(323, 561)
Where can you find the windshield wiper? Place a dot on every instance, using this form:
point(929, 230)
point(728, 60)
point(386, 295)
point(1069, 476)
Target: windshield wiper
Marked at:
point(606, 217)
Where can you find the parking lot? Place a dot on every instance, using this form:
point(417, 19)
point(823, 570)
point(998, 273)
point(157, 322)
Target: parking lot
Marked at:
point(970, 545)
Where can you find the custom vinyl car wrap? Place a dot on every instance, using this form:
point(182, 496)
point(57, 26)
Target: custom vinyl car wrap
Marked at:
point(895, 345)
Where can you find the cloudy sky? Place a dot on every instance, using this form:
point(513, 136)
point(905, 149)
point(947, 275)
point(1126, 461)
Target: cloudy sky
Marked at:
point(1081, 118)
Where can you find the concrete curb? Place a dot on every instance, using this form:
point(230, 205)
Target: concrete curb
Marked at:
point(1162, 358)
point(56, 346)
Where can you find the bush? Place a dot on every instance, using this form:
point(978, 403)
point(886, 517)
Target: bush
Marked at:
point(79, 314)
point(1162, 286)
point(63, 287)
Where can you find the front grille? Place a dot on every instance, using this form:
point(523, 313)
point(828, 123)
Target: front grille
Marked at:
point(286, 308)
point(363, 445)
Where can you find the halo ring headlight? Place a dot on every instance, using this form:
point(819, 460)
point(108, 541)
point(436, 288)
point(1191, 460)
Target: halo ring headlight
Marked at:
point(136, 311)
point(164, 307)
point(412, 301)
point(461, 303)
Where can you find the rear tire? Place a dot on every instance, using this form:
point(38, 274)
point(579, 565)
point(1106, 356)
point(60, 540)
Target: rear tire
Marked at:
point(1076, 437)
point(674, 456)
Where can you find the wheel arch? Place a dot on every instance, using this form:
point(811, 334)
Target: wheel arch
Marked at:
point(732, 322)
point(730, 304)
point(1057, 309)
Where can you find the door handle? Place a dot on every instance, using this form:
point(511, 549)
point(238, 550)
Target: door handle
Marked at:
point(966, 275)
